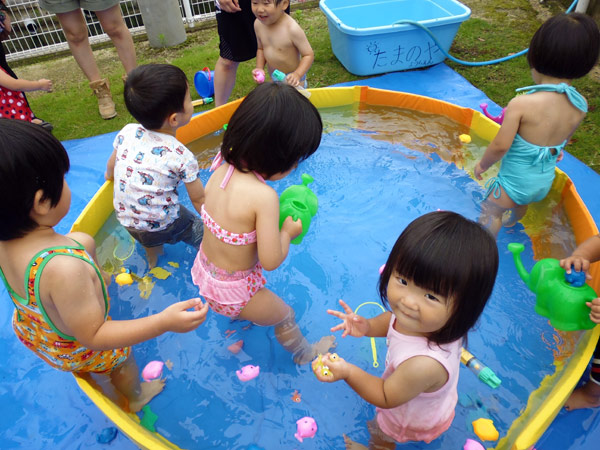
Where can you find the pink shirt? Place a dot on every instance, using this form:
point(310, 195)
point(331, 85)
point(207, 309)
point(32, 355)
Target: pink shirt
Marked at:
point(428, 415)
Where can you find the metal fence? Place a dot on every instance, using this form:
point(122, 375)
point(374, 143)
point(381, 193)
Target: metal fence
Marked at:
point(37, 32)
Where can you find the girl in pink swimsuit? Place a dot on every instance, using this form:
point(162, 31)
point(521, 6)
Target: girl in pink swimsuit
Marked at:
point(435, 285)
point(263, 141)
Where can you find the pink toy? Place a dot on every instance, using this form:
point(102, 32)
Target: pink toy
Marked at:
point(248, 372)
point(236, 347)
point(473, 445)
point(497, 119)
point(259, 77)
point(307, 427)
point(153, 370)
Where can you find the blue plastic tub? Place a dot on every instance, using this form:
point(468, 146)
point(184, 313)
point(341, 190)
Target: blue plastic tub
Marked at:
point(368, 38)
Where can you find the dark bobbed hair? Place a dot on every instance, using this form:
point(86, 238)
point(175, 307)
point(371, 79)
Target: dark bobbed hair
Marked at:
point(565, 46)
point(153, 92)
point(274, 128)
point(449, 255)
point(30, 159)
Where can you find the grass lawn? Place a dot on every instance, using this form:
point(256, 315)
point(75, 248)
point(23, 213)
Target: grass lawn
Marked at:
point(495, 29)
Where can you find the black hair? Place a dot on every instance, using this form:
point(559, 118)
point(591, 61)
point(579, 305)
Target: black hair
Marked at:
point(30, 159)
point(451, 256)
point(274, 128)
point(565, 46)
point(153, 92)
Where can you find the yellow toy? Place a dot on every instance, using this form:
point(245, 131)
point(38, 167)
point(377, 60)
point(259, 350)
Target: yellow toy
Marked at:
point(322, 367)
point(465, 138)
point(485, 429)
point(124, 278)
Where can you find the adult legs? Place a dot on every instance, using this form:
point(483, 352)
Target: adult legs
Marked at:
point(75, 29)
point(225, 73)
point(113, 24)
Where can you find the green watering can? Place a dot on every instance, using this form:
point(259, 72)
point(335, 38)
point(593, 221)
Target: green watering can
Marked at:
point(299, 202)
point(558, 300)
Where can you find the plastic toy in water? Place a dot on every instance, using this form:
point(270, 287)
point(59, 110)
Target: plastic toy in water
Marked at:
point(498, 119)
point(471, 444)
point(248, 372)
point(556, 299)
point(278, 75)
point(149, 419)
point(299, 202)
point(483, 372)
point(296, 397)
point(464, 138)
point(305, 428)
point(152, 370)
point(259, 76)
point(107, 435)
point(236, 347)
point(124, 278)
point(485, 429)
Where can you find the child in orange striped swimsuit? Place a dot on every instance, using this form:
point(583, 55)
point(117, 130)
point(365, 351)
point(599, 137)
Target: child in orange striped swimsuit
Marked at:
point(61, 304)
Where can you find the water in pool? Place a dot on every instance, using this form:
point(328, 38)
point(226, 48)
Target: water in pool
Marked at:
point(374, 172)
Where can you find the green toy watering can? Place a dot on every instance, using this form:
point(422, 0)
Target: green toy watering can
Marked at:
point(299, 202)
point(556, 299)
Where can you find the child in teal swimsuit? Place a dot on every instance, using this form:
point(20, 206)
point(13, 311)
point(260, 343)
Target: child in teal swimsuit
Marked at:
point(538, 125)
point(61, 304)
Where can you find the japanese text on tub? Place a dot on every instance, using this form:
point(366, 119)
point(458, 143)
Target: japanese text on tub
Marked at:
point(402, 55)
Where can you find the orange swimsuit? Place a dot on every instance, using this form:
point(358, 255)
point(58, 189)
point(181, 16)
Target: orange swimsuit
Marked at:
point(37, 332)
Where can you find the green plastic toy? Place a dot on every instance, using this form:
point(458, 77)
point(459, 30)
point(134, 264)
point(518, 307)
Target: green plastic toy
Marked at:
point(278, 75)
point(299, 202)
point(556, 299)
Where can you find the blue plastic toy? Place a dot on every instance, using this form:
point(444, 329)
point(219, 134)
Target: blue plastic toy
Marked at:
point(299, 202)
point(558, 300)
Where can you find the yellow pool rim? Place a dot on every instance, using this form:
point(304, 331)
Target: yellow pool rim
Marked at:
point(526, 429)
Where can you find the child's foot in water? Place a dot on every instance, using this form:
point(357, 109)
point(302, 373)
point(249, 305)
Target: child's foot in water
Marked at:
point(587, 396)
point(325, 344)
point(351, 445)
point(149, 390)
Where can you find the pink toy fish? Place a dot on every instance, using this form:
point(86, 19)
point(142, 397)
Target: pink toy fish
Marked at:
point(248, 372)
point(473, 445)
point(306, 428)
point(153, 370)
point(236, 347)
point(259, 77)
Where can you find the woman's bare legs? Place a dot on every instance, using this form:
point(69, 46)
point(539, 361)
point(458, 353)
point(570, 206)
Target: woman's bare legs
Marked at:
point(225, 73)
point(113, 24)
point(76, 32)
point(267, 309)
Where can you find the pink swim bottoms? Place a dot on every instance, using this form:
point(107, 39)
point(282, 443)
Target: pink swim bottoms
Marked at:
point(226, 292)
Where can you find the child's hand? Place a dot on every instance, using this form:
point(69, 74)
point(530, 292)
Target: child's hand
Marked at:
point(561, 155)
point(575, 262)
point(478, 171)
point(336, 368)
point(595, 312)
point(292, 79)
point(353, 324)
point(178, 319)
point(45, 85)
point(258, 75)
point(292, 227)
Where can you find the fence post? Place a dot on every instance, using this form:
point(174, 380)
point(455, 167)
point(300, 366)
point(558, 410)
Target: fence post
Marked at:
point(163, 22)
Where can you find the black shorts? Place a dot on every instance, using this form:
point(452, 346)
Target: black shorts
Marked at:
point(236, 33)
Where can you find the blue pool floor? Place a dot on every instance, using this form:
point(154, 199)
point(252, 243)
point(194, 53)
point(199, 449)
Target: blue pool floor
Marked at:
point(43, 408)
